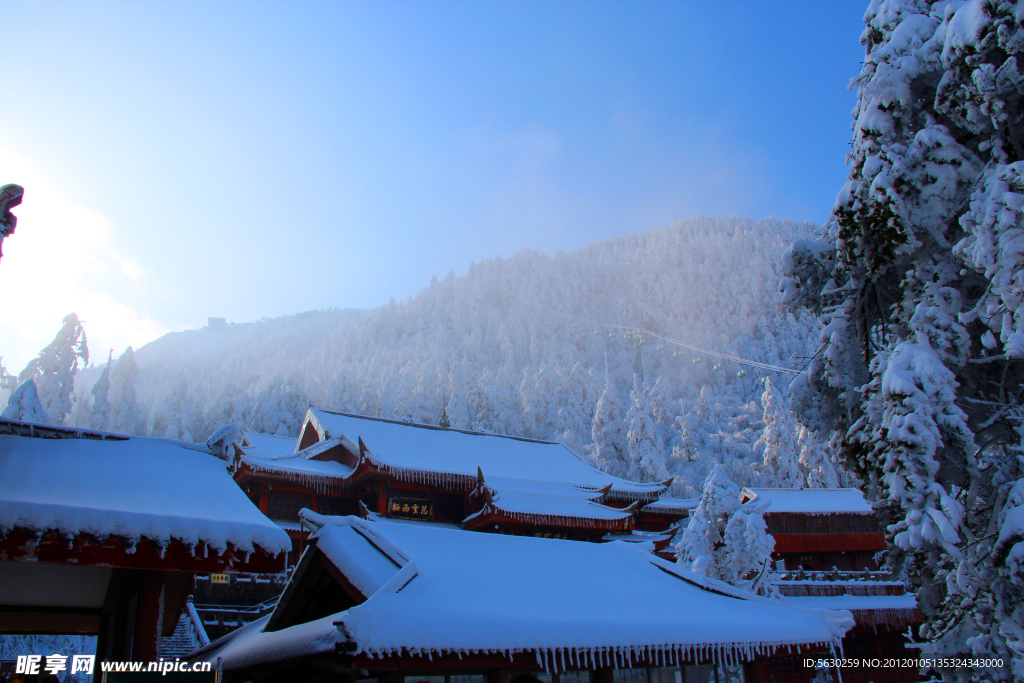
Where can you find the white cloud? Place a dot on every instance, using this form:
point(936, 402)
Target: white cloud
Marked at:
point(61, 259)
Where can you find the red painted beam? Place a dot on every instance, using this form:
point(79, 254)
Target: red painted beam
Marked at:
point(809, 543)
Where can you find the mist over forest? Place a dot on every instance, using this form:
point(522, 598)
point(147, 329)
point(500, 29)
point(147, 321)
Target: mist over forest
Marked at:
point(507, 348)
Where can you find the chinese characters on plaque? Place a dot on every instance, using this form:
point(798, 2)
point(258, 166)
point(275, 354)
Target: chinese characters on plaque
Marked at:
point(409, 508)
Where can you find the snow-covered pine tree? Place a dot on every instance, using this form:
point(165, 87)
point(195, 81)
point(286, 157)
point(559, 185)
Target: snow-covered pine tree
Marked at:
point(779, 440)
point(701, 547)
point(457, 409)
point(55, 369)
point(572, 417)
point(748, 550)
point(610, 449)
point(646, 449)
point(173, 419)
point(99, 411)
point(919, 279)
point(127, 415)
point(24, 405)
point(815, 460)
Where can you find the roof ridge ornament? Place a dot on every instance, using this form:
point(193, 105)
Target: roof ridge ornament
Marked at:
point(364, 512)
point(479, 476)
point(362, 446)
point(667, 482)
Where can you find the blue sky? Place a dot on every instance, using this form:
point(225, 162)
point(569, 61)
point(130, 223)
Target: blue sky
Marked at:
point(247, 159)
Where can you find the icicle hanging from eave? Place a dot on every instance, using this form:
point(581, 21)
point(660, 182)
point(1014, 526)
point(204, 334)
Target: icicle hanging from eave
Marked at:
point(557, 520)
point(450, 480)
point(326, 485)
point(896, 617)
point(558, 659)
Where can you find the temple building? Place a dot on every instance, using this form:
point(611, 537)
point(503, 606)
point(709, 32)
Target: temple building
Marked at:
point(825, 546)
point(394, 600)
point(353, 465)
point(101, 534)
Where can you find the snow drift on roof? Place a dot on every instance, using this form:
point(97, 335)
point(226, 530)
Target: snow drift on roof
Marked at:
point(293, 464)
point(577, 605)
point(544, 600)
point(409, 449)
point(268, 446)
point(549, 500)
point(135, 487)
point(811, 501)
point(671, 506)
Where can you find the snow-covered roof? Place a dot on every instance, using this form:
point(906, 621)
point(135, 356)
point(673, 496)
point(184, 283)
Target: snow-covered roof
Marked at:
point(267, 445)
point(639, 537)
point(294, 466)
point(867, 610)
point(277, 455)
point(810, 501)
point(130, 487)
point(548, 502)
point(433, 454)
point(523, 594)
point(671, 506)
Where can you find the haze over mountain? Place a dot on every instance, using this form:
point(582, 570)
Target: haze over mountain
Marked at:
point(507, 348)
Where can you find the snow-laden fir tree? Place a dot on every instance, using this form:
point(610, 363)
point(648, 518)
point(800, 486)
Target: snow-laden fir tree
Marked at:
point(748, 550)
point(779, 440)
point(919, 280)
point(816, 461)
point(127, 414)
point(55, 369)
point(173, 419)
point(457, 408)
point(99, 409)
point(610, 449)
point(646, 448)
point(24, 405)
point(701, 547)
point(727, 540)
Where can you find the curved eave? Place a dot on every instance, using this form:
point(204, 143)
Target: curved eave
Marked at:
point(368, 464)
point(491, 513)
point(319, 482)
point(49, 546)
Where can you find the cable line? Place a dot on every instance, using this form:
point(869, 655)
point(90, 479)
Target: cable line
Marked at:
point(639, 331)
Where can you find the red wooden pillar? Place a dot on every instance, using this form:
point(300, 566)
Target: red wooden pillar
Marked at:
point(382, 500)
point(149, 617)
point(263, 498)
point(605, 674)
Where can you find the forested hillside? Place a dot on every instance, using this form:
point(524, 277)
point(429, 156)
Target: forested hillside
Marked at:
point(507, 348)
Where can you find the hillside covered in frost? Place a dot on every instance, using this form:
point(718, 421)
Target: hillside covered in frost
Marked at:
point(513, 347)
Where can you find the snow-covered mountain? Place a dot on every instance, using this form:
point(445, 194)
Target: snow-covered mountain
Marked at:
point(514, 346)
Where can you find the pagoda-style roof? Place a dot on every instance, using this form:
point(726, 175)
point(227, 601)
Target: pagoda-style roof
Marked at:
point(277, 456)
point(809, 501)
point(874, 598)
point(429, 454)
point(84, 497)
point(388, 595)
point(545, 503)
point(671, 507)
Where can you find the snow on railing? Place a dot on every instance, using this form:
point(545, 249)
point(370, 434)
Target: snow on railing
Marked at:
point(834, 575)
point(195, 626)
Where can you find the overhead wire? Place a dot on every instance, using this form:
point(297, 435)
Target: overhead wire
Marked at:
point(639, 331)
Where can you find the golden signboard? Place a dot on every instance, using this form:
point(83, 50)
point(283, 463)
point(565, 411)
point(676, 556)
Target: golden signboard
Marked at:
point(220, 578)
point(409, 508)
